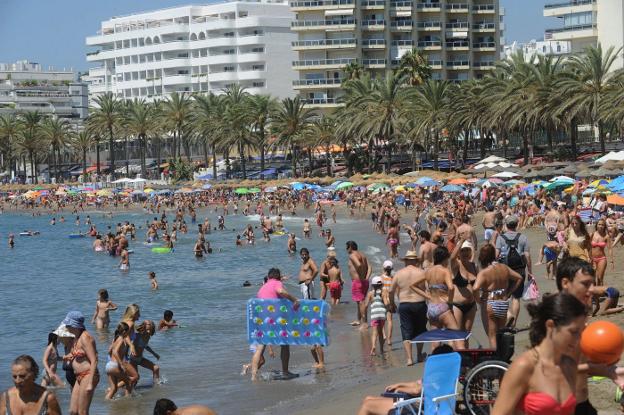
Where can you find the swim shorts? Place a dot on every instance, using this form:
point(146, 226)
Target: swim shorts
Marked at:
point(487, 234)
point(359, 289)
point(413, 317)
point(550, 254)
point(378, 323)
point(335, 290)
point(307, 290)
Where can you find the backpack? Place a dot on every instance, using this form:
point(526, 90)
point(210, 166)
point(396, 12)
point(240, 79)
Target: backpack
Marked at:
point(514, 259)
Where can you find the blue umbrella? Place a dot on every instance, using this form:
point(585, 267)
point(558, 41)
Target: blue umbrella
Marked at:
point(427, 182)
point(452, 188)
point(616, 183)
point(336, 183)
point(297, 186)
point(206, 186)
point(205, 177)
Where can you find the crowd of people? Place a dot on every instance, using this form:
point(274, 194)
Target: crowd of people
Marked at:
point(451, 276)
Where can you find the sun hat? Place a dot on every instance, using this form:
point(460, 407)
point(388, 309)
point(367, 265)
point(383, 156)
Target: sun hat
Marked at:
point(388, 264)
point(376, 280)
point(61, 331)
point(409, 255)
point(74, 319)
point(467, 244)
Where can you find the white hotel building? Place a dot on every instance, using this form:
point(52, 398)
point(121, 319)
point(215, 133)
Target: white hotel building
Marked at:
point(194, 49)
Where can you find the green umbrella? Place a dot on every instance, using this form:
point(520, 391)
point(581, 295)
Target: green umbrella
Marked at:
point(344, 185)
point(241, 191)
point(39, 188)
point(254, 190)
point(377, 186)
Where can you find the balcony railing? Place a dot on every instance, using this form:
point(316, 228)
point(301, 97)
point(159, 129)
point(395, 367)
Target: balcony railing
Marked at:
point(483, 7)
point(373, 3)
point(572, 28)
point(457, 7)
point(429, 43)
point(376, 22)
point(458, 44)
point(322, 3)
point(325, 42)
point(317, 82)
point(370, 62)
point(426, 6)
point(402, 23)
point(401, 4)
point(481, 26)
point(402, 42)
point(484, 45)
point(320, 62)
point(373, 42)
point(320, 101)
point(310, 23)
point(458, 25)
point(569, 4)
point(483, 64)
point(434, 62)
point(457, 63)
point(428, 25)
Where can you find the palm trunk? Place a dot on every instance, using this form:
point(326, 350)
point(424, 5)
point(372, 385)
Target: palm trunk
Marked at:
point(436, 150)
point(241, 153)
point(310, 162)
point(32, 166)
point(371, 155)
point(112, 152)
point(262, 150)
point(389, 163)
point(97, 156)
point(549, 139)
point(143, 144)
point(573, 137)
point(54, 162)
point(328, 161)
point(187, 149)
point(84, 165)
point(174, 145)
point(293, 159)
point(482, 144)
point(205, 148)
point(467, 136)
point(226, 156)
point(603, 147)
point(127, 158)
point(214, 161)
point(346, 153)
point(525, 147)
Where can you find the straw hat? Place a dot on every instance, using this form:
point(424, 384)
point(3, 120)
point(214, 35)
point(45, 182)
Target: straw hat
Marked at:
point(411, 255)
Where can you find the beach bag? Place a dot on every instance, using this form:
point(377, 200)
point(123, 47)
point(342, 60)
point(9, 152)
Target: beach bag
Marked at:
point(531, 292)
point(514, 259)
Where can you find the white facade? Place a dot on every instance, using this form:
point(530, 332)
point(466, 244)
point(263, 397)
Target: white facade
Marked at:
point(538, 47)
point(195, 49)
point(26, 86)
point(589, 22)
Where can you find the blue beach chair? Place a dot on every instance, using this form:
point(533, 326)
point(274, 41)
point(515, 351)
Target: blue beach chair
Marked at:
point(439, 387)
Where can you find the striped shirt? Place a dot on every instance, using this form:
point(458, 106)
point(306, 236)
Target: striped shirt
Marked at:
point(378, 308)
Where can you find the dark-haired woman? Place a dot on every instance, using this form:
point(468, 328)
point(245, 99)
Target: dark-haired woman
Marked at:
point(542, 380)
point(27, 397)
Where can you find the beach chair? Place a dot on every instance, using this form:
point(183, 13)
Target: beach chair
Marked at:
point(439, 387)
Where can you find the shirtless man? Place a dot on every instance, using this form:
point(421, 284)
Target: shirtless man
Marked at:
point(306, 229)
point(307, 274)
point(488, 223)
point(412, 306)
point(466, 232)
point(360, 271)
point(279, 222)
point(551, 223)
point(291, 244)
point(426, 249)
point(330, 240)
point(267, 228)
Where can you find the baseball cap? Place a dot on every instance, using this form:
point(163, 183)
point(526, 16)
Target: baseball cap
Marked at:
point(376, 280)
point(388, 264)
point(511, 220)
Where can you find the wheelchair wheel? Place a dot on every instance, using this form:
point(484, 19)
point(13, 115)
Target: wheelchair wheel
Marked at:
point(482, 385)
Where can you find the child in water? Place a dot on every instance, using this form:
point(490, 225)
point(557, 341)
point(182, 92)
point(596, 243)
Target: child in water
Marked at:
point(103, 305)
point(167, 321)
point(50, 361)
point(152, 277)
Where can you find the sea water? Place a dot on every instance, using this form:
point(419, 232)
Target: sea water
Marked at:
point(46, 276)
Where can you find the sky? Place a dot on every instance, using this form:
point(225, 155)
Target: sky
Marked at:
point(53, 32)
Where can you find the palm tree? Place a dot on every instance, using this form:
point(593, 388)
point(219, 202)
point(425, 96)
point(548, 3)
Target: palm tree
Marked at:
point(237, 120)
point(208, 121)
point(289, 122)
point(354, 70)
point(141, 122)
point(56, 131)
point(81, 143)
point(547, 71)
point(431, 109)
point(414, 67)
point(259, 109)
point(106, 117)
point(177, 112)
point(9, 132)
point(587, 82)
point(31, 139)
point(322, 132)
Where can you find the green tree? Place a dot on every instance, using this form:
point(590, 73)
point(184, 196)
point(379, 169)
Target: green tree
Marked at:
point(177, 113)
point(353, 70)
point(414, 67)
point(208, 120)
point(10, 128)
point(31, 139)
point(289, 123)
point(81, 143)
point(107, 117)
point(259, 108)
point(56, 131)
point(141, 122)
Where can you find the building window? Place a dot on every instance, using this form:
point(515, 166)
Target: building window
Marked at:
point(257, 50)
point(578, 19)
point(257, 67)
point(228, 69)
point(228, 34)
point(258, 84)
point(229, 51)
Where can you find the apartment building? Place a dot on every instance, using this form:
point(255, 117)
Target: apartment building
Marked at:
point(588, 22)
point(27, 86)
point(195, 49)
point(461, 38)
point(534, 48)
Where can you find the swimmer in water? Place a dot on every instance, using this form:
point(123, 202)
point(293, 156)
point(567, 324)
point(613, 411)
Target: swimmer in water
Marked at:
point(152, 277)
point(98, 244)
point(239, 242)
point(292, 244)
point(167, 321)
point(11, 240)
point(103, 306)
point(124, 264)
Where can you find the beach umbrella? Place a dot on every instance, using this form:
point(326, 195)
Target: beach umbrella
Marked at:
point(615, 200)
point(148, 190)
point(241, 191)
point(411, 185)
point(297, 186)
point(427, 182)
point(206, 186)
point(378, 186)
point(562, 179)
point(506, 175)
point(336, 183)
point(39, 188)
point(458, 181)
point(344, 185)
point(104, 193)
point(452, 188)
point(400, 188)
point(271, 189)
point(512, 182)
point(254, 190)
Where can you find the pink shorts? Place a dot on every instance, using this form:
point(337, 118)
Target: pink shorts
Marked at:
point(378, 323)
point(359, 288)
point(335, 290)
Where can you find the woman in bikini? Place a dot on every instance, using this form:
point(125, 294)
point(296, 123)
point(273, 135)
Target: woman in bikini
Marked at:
point(542, 380)
point(27, 397)
point(83, 359)
point(103, 305)
point(497, 282)
point(117, 367)
point(464, 273)
point(600, 240)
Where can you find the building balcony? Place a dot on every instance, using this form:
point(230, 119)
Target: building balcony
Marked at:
point(429, 26)
point(484, 27)
point(430, 44)
point(458, 65)
point(379, 24)
point(373, 4)
point(373, 44)
point(342, 24)
point(323, 44)
point(317, 83)
point(401, 8)
point(457, 8)
point(322, 63)
point(435, 64)
point(374, 63)
point(572, 32)
point(101, 71)
point(484, 65)
point(402, 25)
point(321, 102)
point(404, 43)
point(463, 26)
point(484, 9)
point(458, 45)
point(428, 7)
point(569, 7)
point(484, 47)
point(321, 5)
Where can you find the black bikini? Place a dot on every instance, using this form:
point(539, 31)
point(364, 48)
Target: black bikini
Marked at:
point(462, 282)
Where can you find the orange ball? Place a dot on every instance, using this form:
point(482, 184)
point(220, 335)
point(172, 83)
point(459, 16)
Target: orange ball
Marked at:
point(602, 342)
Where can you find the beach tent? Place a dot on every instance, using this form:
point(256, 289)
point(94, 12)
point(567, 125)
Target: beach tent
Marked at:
point(271, 189)
point(562, 179)
point(512, 182)
point(375, 187)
